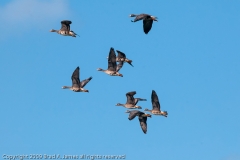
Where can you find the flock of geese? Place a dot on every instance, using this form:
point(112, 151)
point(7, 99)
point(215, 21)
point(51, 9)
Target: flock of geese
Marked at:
point(113, 70)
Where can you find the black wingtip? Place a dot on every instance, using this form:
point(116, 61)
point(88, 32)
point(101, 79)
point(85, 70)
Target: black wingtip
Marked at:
point(131, 64)
point(66, 21)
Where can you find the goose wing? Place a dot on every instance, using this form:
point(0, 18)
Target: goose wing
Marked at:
point(147, 24)
point(75, 78)
point(130, 98)
point(65, 25)
point(121, 55)
point(112, 64)
point(133, 114)
point(140, 17)
point(138, 99)
point(143, 123)
point(85, 81)
point(155, 101)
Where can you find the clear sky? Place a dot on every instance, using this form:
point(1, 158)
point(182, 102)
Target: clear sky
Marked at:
point(190, 58)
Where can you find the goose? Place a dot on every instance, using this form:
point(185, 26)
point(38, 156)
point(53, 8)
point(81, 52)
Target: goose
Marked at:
point(122, 58)
point(77, 86)
point(113, 68)
point(142, 117)
point(131, 101)
point(156, 106)
point(65, 30)
point(147, 21)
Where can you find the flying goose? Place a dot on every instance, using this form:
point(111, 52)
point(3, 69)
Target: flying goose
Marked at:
point(142, 117)
point(122, 58)
point(65, 30)
point(77, 86)
point(156, 106)
point(147, 21)
point(131, 101)
point(113, 68)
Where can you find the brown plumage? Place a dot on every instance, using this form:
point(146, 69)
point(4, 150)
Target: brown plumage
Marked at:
point(77, 86)
point(122, 58)
point(156, 106)
point(113, 68)
point(142, 117)
point(65, 29)
point(131, 101)
point(147, 21)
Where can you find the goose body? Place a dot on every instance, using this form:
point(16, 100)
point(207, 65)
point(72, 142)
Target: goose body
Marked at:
point(156, 106)
point(147, 21)
point(131, 101)
point(113, 68)
point(65, 29)
point(77, 86)
point(142, 117)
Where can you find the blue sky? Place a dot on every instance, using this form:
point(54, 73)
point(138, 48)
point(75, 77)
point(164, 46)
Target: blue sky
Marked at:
point(190, 58)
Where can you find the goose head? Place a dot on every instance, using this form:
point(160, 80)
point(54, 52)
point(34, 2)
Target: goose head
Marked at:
point(127, 111)
point(154, 18)
point(65, 87)
point(100, 69)
point(132, 15)
point(53, 30)
point(119, 104)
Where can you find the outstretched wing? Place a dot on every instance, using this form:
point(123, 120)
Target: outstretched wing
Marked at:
point(121, 55)
point(143, 123)
point(133, 114)
point(140, 17)
point(155, 101)
point(130, 98)
point(138, 99)
point(147, 24)
point(65, 25)
point(112, 64)
point(75, 78)
point(85, 81)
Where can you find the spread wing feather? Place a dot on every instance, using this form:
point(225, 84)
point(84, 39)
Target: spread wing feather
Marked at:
point(112, 64)
point(130, 98)
point(155, 101)
point(75, 78)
